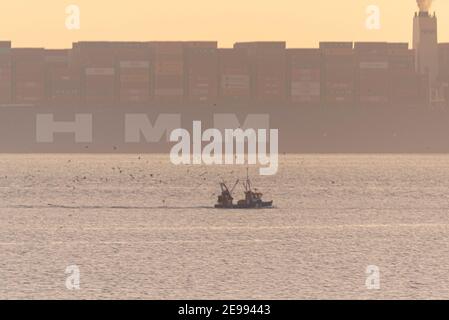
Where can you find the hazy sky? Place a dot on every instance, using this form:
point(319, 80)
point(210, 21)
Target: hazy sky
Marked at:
point(302, 23)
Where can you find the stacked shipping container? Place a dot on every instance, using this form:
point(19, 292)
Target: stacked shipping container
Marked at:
point(107, 73)
point(268, 69)
point(202, 71)
point(234, 73)
point(444, 69)
point(304, 76)
point(133, 61)
point(337, 73)
point(405, 85)
point(62, 82)
point(5, 72)
point(372, 69)
point(168, 71)
point(96, 61)
point(29, 75)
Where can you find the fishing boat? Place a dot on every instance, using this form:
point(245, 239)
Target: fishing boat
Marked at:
point(252, 200)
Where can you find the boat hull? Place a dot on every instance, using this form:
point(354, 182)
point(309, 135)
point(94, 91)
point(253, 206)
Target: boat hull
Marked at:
point(259, 205)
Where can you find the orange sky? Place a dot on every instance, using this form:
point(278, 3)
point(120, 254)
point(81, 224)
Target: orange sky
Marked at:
point(302, 23)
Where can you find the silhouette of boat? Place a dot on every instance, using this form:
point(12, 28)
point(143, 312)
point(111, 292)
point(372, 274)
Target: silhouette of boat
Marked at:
point(253, 199)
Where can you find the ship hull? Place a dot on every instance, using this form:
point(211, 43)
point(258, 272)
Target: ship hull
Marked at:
point(306, 129)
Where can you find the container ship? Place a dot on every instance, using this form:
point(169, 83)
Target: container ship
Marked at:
point(339, 97)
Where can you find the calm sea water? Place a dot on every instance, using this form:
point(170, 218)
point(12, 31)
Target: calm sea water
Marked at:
point(139, 227)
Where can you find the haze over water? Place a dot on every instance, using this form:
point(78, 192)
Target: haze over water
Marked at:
point(139, 227)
